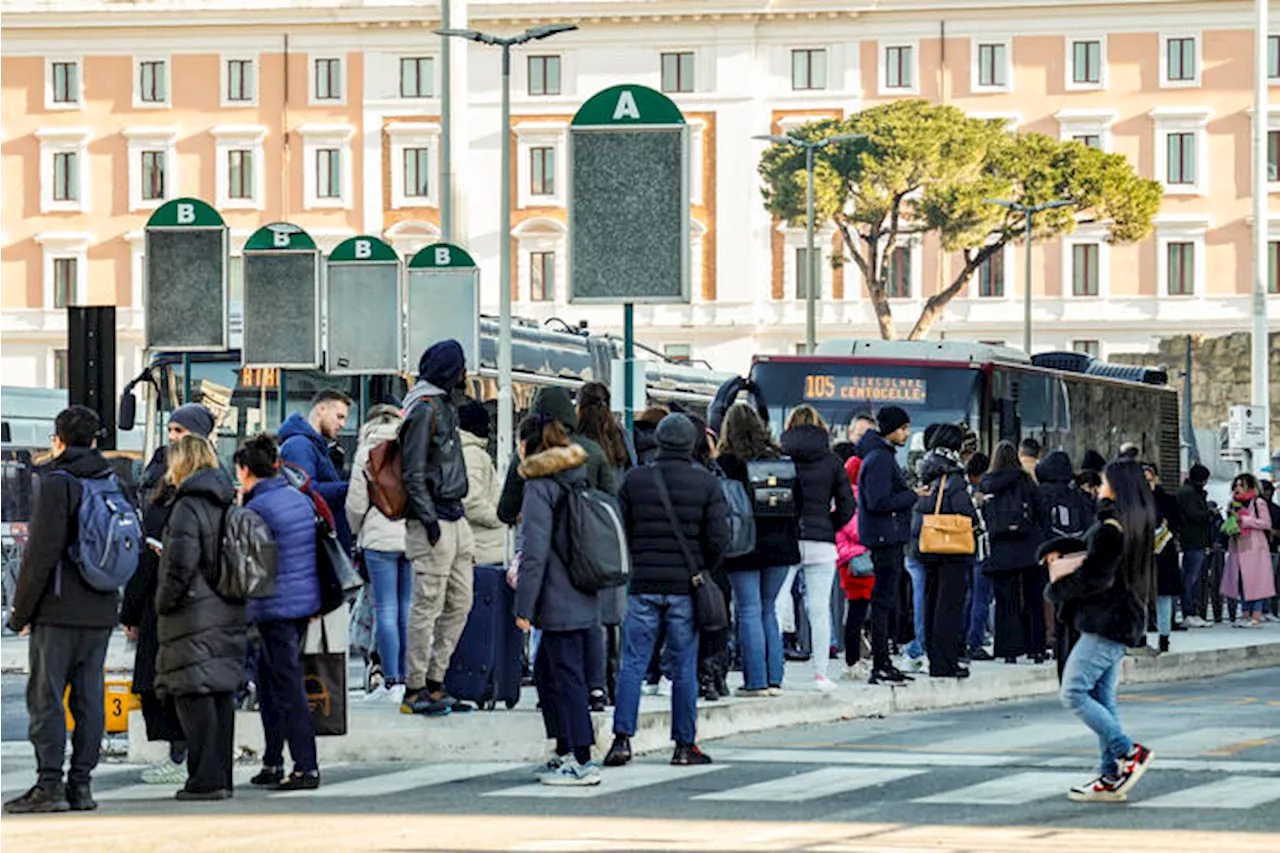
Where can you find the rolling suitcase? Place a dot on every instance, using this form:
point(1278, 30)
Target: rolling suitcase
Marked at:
point(488, 662)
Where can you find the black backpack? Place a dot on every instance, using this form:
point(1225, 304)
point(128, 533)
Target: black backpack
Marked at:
point(599, 556)
point(248, 558)
point(1068, 514)
point(1009, 516)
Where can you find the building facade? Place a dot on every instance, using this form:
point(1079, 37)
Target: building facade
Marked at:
point(331, 118)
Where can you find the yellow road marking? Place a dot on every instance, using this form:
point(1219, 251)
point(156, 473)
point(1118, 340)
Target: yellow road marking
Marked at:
point(1141, 697)
point(1248, 700)
point(1241, 746)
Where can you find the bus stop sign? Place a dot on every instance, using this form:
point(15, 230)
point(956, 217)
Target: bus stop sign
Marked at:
point(186, 286)
point(363, 329)
point(281, 298)
point(444, 302)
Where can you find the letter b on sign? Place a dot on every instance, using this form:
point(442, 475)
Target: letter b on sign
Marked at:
point(443, 256)
point(280, 239)
point(364, 250)
point(186, 214)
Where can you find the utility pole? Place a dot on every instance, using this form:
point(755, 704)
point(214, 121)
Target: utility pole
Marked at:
point(1261, 383)
point(1029, 211)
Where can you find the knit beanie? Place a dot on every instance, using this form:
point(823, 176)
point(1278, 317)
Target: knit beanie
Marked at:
point(195, 418)
point(676, 434)
point(891, 419)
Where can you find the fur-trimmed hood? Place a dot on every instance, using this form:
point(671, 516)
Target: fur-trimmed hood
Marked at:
point(554, 461)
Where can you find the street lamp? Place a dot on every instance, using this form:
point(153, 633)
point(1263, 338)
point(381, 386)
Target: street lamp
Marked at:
point(811, 262)
point(1029, 211)
point(505, 413)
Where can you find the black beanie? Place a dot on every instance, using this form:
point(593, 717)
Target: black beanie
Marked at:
point(474, 418)
point(1199, 474)
point(195, 418)
point(891, 419)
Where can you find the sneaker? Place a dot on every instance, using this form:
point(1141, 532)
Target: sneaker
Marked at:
point(455, 706)
point(859, 671)
point(202, 796)
point(980, 654)
point(395, 694)
point(823, 684)
point(39, 800)
point(900, 674)
point(886, 676)
point(1270, 617)
point(915, 664)
point(620, 753)
point(299, 781)
point(551, 765)
point(422, 703)
point(598, 701)
point(651, 688)
point(688, 755)
point(377, 695)
point(1195, 622)
point(373, 678)
point(80, 797)
point(573, 775)
point(1134, 765)
point(1104, 789)
point(165, 772)
point(1247, 623)
point(752, 693)
point(268, 777)
point(774, 691)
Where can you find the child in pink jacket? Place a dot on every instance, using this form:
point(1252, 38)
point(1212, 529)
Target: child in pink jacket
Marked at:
point(857, 577)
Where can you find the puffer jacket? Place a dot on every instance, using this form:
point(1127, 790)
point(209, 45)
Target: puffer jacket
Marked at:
point(291, 516)
point(435, 475)
point(884, 498)
point(1097, 598)
point(481, 504)
point(301, 445)
point(1012, 492)
point(545, 595)
point(372, 529)
point(826, 498)
point(955, 497)
point(202, 638)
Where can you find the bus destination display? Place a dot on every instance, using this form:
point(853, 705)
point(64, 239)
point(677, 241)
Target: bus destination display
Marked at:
point(866, 389)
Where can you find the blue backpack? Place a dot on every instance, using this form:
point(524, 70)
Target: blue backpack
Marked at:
point(110, 535)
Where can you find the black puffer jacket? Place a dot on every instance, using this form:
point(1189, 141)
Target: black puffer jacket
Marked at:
point(1096, 598)
point(826, 498)
point(1012, 496)
point(202, 637)
point(1196, 533)
point(955, 497)
point(777, 539)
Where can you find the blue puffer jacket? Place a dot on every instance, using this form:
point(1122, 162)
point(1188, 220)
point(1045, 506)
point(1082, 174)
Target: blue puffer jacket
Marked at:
point(301, 445)
point(289, 514)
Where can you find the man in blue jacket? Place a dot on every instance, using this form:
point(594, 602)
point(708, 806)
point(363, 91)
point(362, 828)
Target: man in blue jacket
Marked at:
point(885, 502)
point(305, 443)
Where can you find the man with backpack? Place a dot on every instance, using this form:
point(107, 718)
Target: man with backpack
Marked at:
point(84, 544)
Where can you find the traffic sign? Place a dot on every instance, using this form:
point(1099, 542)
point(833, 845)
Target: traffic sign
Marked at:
point(444, 302)
point(1247, 428)
point(186, 285)
point(629, 228)
point(363, 329)
point(281, 298)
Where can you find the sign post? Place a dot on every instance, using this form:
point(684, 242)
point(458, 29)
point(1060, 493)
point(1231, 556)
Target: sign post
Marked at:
point(281, 299)
point(444, 302)
point(629, 229)
point(364, 333)
point(186, 286)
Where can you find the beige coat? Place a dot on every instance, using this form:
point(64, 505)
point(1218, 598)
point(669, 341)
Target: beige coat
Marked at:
point(373, 529)
point(481, 502)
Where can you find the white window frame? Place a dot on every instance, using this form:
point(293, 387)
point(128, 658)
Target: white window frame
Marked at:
point(224, 78)
point(1008, 253)
point(1165, 38)
point(540, 134)
point(434, 77)
point(341, 100)
point(1086, 234)
point(1072, 123)
point(314, 138)
point(64, 244)
point(697, 70)
point(1273, 125)
point(1180, 229)
point(1069, 77)
point(1194, 120)
point(229, 138)
point(401, 137)
point(827, 53)
point(151, 139)
point(540, 234)
point(882, 55)
point(138, 103)
point(49, 103)
point(64, 140)
point(796, 238)
point(975, 65)
point(527, 59)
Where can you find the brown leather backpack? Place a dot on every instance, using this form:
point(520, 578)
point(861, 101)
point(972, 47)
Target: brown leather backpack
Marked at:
point(384, 477)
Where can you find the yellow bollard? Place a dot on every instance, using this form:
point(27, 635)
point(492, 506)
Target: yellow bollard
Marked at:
point(119, 700)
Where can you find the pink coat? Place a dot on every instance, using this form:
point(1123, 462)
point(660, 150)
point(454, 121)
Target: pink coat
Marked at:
point(1249, 558)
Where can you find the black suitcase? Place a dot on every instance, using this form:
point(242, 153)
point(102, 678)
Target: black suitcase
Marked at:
point(487, 664)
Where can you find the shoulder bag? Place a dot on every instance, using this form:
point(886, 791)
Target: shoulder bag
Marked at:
point(710, 609)
point(772, 483)
point(945, 534)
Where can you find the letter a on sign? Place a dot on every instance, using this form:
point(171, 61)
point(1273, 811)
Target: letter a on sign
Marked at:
point(626, 107)
point(364, 249)
point(443, 257)
point(186, 214)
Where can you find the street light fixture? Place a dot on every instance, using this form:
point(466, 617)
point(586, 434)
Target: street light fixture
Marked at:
point(1029, 211)
point(811, 261)
point(505, 413)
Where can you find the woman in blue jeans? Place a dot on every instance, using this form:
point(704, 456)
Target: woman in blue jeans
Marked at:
point(1104, 598)
point(390, 571)
point(757, 577)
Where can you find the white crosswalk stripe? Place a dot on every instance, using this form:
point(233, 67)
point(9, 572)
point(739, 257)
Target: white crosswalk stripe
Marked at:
point(614, 782)
point(1015, 790)
point(868, 757)
point(1200, 741)
point(240, 776)
point(18, 781)
point(1019, 737)
point(1234, 792)
point(811, 786)
point(405, 780)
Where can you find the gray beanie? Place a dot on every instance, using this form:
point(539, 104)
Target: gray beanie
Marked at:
point(677, 434)
point(195, 418)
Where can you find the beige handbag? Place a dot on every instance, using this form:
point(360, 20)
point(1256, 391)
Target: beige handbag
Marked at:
point(946, 534)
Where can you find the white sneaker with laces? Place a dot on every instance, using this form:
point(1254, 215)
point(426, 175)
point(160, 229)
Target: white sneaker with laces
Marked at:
point(823, 684)
point(573, 775)
point(1195, 622)
point(377, 695)
point(165, 772)
point(859, 671)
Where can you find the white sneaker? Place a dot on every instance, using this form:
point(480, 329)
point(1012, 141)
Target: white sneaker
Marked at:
point(572, 774)
point(859, 671)
point(1270, 617)
point(377, 695)
point(165, 772)
point(386, 695)
point(915, 664)
point(648, 689)
point(823, 684)
point(1195, 622)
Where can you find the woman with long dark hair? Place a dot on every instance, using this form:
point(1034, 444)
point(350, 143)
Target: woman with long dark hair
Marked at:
point(1104, 598)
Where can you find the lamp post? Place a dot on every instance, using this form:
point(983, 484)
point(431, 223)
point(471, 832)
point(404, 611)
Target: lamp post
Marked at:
point(505, 413)
point(811, 262)
point(1029, 211)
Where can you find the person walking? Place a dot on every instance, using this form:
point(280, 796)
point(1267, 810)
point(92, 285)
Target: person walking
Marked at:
point(203, 637)
point(547, 598)
point(382, 543)
point(857, 580)
point(1195, 538)
point(282, 619)
point(885, 502)
point(1247, 576)
point(674, 514)
point(305, 442)
point(69, 624)
point(942, 473)
point(438, 539)
point(1013, 519)
point(826, 505)
point(1103, 597)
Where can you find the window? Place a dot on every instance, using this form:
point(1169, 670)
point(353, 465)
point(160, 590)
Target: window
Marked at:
point(542, 276)
point(66, 176)
point(417, 172)
point(328, 173)
point(992, 70)
point(240, 174)
point(991, 276)
point(802, 274)
point(240, 82)
point(808, 69)
point(678, 352)
point(1084, 269)
point(1181, 163)
point(1090, 140)
point(328, 80)
point(1273, 266)
point(61, 371)
point(1086, 63)
point(542, 171)
point(153, 85)
point(152, 175)
point(1273, 155)
point(544, 75)
point(677, 72)
point(1092, 348)
point(66, 82)
point(417, 77)
point(1273, 57)
point(1181, 268)
point(899, 284)
point(898, 68)
point(1180, 59)
point(65, 271)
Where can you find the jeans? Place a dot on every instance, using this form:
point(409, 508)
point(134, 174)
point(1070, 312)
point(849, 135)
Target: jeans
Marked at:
point(884, 601)
point(286, 717)
point(644, 614)
point(1089, 690)
point(915, 569)
point(1164, 614)
point(1192, 567)
point(818, 578)
point(754, 594)
point(391, 576)
point(982, 593)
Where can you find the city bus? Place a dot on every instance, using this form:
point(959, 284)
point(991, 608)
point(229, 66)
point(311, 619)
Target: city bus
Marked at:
point(1066, 401)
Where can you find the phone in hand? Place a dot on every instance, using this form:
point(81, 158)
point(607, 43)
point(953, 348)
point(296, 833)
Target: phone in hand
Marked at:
point(156, 544)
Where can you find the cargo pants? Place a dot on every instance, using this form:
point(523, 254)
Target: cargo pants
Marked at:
point(442, 588)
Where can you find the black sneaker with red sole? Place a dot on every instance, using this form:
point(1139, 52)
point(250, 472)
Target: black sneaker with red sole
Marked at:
point(688, 755)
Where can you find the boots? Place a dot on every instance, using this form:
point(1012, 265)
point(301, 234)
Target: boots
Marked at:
point(1164, 645)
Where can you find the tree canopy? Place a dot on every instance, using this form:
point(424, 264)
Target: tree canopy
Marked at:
point(924, 168)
